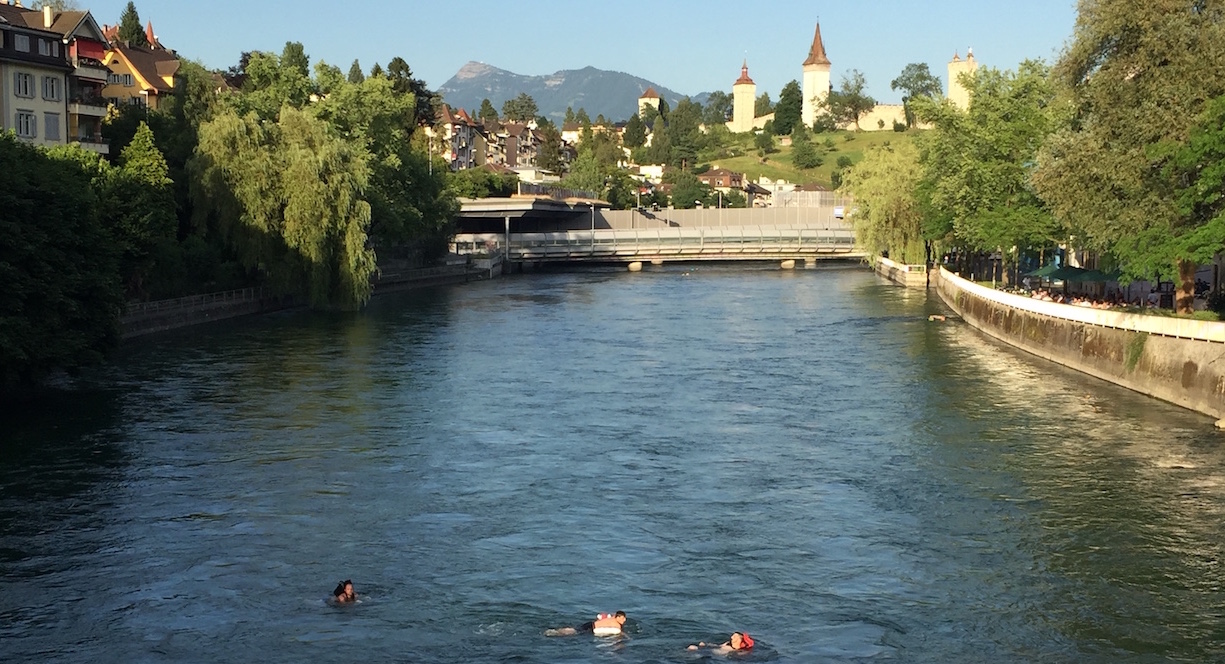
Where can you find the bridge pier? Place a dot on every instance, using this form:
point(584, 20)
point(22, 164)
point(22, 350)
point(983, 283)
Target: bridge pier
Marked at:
point(657, 261)
point(788, 264)
point(810, 263)
point(636, 266)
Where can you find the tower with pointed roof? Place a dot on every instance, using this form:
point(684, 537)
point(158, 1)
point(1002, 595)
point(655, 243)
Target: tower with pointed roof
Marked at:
point(744, 101)
point(958, 94)
point(816, 83)
point(648, 98)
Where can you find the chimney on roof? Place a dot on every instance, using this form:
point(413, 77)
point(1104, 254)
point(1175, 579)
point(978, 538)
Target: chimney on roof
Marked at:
point(48, 18)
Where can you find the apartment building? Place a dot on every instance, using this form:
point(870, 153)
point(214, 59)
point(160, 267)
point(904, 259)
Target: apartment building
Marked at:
point(34, 69)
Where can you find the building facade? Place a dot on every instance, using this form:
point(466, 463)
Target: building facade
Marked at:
point(957, 92)
point(139, 75)
point(744, 102)
point(816, 82)
point(34, 68)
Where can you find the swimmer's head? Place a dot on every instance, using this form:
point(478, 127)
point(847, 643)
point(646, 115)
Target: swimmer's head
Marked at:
point(741, 641)
point(343, 589)
point(620, 617)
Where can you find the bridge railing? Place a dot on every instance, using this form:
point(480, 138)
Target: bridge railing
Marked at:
point(741, 242)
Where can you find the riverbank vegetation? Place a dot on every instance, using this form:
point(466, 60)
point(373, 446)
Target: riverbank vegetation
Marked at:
point(277, 174)
point(1116, 149)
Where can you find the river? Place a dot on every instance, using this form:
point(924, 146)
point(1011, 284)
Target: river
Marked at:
point(800, 455)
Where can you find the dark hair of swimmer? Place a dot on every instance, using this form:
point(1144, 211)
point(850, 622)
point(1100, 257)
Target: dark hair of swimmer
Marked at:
point(746, 641)
point(619, 614)
point(340, 588)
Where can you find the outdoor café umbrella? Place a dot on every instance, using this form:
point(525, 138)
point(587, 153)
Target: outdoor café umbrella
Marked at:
point(1044, 272)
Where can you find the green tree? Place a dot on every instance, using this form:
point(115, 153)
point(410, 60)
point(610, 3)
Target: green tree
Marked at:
point(403, 82)
point(586, 174)
point(849, 102)
point(61, 301)
point(685, 134)
point(269, 83)
point(916, 80)
point(548, 156)
point(763, 106)
point(289, 198)
point(582, 118)
point(294, 57)
point(888, 216)
point(764, 141)
point(520, 109)
point(635, 134)
point(480, 183)
point(980, 162)
point(328, 78)
point(131, 32)
point(139, 209)
point(1137, 77)
point(790, 107)
point(376, 71)
point(356, 75)
point(718, 108)
point(687, 190)
point(660, 150)
point(488, 114)
point(649, 114)
point(803, 153)
point(569, 118)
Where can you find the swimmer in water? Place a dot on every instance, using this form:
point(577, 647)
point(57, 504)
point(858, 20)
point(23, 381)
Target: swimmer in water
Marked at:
point(344, 592)
point(605, 624)
point(738, 641)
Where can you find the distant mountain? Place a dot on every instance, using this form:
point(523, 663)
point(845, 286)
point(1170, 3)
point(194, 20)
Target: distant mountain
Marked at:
point(612, 94)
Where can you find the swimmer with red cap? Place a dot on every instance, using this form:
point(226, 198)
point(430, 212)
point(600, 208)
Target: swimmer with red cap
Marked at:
point(738, 641)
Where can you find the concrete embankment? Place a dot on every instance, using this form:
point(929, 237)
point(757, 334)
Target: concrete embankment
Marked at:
point(162, 315)
point(1174, 359)
point(910, 276)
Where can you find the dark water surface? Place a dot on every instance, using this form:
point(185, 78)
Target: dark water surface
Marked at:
point(799, 455)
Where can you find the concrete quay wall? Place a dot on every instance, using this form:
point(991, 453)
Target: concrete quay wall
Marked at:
point(910, 276)
point(1177, 360)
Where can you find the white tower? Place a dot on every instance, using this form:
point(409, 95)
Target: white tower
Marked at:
point(816, 82)
point(744, 102)
point(958, 94)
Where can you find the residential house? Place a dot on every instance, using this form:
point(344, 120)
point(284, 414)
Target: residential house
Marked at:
point(721, 179)
point(34, 68)
point(462, 144)
point(139, 75)
point(513, 145)
point(86, 45)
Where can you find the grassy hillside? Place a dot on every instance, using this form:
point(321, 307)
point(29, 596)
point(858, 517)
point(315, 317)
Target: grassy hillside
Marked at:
point(778, 165)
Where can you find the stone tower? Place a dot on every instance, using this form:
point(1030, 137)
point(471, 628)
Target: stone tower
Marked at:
point(648, 98)
point(957, 92)
point(744, 101)
point(816, 82)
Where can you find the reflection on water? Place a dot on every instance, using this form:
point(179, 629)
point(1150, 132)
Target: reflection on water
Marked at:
point(800, 455)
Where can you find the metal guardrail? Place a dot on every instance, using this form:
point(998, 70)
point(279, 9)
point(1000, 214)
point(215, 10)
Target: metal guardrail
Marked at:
point(553, 191)
point(160, 307)
point(741, 242)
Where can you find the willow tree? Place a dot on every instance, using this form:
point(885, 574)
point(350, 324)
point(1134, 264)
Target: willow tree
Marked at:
point(888, 216)
point(1138, 76)
point(288, 197)
point(979, 161)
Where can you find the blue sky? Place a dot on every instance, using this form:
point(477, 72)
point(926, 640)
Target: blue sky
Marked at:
point(688, 46)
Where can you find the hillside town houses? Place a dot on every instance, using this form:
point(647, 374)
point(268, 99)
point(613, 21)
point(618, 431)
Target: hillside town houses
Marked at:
point(60, 72)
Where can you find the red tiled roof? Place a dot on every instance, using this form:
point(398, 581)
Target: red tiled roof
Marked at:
point(744, 75)
point(816, 54)
point(650, 94)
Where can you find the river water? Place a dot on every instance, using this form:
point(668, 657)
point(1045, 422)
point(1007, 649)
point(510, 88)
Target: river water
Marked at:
point(799, 455)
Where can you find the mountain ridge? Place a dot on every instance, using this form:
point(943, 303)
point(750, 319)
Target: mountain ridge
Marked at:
point(613, 94)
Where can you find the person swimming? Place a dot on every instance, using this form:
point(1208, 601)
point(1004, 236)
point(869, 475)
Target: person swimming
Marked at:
point(738, 641)
point(605, 624)
point(344, 592)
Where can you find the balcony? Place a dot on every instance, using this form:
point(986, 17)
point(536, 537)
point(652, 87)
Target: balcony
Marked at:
point(87, 105)
point(91, 70)
point(94, 143)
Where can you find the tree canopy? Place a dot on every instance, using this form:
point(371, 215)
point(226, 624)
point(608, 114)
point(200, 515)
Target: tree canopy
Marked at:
point(520, 109)
point(916, 80)
point(131, 31)
point(849, 102)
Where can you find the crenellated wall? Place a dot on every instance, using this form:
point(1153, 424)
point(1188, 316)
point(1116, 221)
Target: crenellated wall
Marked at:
point(1174, 359)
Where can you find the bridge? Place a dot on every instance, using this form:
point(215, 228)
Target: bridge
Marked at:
point(536, 230)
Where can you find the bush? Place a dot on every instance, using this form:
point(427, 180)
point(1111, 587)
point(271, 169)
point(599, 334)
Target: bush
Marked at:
point(1216, 301)
point(899, 126)
point(844, 162)
point(829, 144)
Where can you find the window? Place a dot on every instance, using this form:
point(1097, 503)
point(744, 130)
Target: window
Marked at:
point(21, 43)
point(51, 88)
point(44, 47)
point(23, 85)
point(114, 79)
point(51, 126)
point(128, 80)
point(27, 124)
